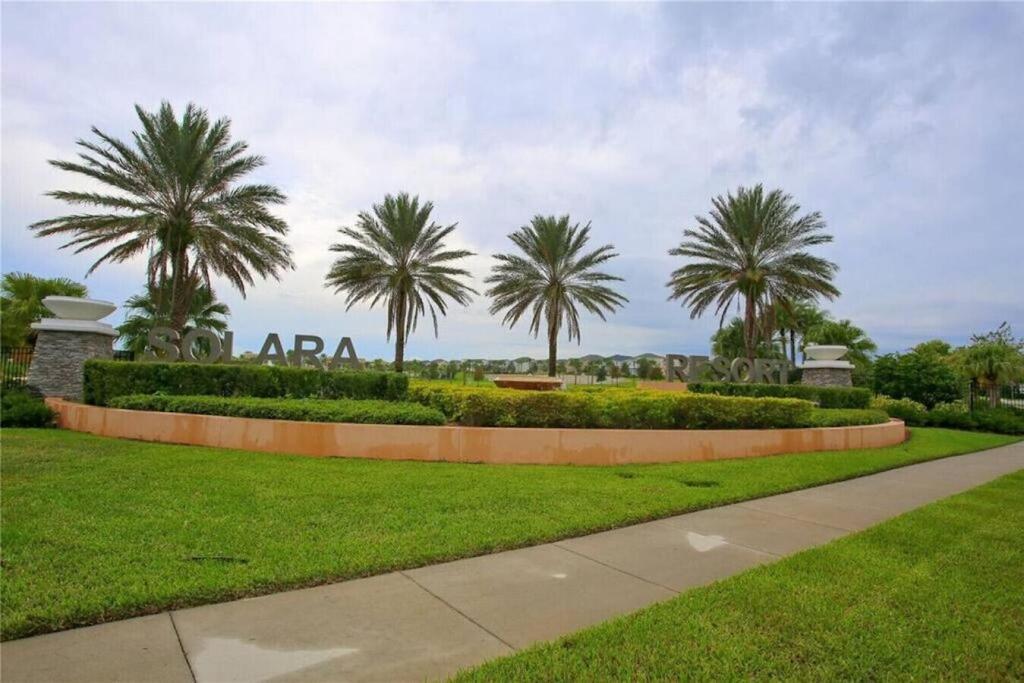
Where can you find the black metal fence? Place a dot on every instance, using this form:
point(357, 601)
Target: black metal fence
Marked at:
point(14, 363)
point(1007, 395)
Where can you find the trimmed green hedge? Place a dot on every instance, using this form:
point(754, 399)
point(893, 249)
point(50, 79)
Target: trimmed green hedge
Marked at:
point(825, 397)
point(105, 380)
point(953, 415)
point(639, 409)
point(19, 408)
point(846, 417)
point(304, 410)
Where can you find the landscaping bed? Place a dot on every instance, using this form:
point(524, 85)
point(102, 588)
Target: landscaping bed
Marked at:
point(304, 410)
point(627, 409)
point(96, 529)
point(935, 594)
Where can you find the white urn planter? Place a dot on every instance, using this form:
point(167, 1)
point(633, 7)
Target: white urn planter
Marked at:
point(76, 308)
point(824, 352)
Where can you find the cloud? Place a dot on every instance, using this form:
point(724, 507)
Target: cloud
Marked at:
point(901, 124)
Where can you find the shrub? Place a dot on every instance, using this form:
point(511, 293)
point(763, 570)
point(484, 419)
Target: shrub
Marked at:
point(917, 375)
point(825, 397)
point(18, 408)
point(635, 409)
point(105, 380)
point(846, 417)
point(303, 410)
point(910, 411)
point(953, 415)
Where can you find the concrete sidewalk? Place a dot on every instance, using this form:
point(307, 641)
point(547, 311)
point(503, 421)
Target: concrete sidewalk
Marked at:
point(428, 623)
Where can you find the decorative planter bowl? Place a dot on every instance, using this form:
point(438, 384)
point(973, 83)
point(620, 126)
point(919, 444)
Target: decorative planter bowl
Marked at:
point(534, 383)
point(816, 352)
point(75, 308)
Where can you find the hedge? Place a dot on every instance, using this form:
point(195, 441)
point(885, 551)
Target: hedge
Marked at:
point(19, 408)
point(481, 407)
point(825, 397)
point(365, 411)
point(846, 417)
point(953, 415)
point(105, 380)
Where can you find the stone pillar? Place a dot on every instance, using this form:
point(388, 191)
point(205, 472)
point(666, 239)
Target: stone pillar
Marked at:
point(824, 367)
point(64, 344)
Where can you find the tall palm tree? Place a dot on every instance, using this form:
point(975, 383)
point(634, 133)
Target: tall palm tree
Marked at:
point(397, 257)
point(21, 304)
point(552, 278)
point(175, 194)
point(751, 250)
point(146, 312)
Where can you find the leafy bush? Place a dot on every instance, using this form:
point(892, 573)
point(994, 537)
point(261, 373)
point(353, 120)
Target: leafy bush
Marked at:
point(105, 380)
point(910, 411)
point(953, 415)
point(825, 397)
point(846, 417)
point(636, 409)
point(917, 375)
point(303, 410)
point(18, 408)
point(998, 420)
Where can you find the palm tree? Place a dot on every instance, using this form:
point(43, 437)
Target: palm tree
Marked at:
point(859, 346)
point(175, 194)
point(551, 278)
point(397, 257)
point(21, 304)
point(796, 318)
point(145, 312)
point(993, 360)
point(751, 249)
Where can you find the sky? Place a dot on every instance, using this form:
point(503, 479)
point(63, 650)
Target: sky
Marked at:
point(901, 123)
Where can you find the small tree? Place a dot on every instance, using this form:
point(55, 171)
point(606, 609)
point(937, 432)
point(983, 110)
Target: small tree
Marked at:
point(601, 373)
point(992, 360)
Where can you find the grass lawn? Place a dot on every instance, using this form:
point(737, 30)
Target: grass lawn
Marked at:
point(96, 529)
point(936, 594)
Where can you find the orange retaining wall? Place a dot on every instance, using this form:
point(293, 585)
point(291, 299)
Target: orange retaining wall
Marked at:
point(499, 445)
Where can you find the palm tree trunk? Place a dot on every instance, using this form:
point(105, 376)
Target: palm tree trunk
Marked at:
point(552, 343)
point(749, 327)
point(400, 316)
point(993, 395)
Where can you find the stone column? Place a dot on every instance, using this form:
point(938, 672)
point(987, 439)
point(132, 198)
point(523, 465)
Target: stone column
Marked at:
point(64, 344)
point(824, 367)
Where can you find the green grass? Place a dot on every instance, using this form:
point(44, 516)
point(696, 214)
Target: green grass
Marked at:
point(936, 594)
point(96, 529)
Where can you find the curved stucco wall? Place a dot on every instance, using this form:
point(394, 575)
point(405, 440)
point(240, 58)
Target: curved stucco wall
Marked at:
point(504, 445)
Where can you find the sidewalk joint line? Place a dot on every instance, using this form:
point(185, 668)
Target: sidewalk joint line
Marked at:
point(461, 613)
point(181, 646)
point(614, 568)
point(794, 518)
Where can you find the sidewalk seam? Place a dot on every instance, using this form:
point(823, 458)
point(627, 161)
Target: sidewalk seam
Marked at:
point(460, 613)
point(181, 646)
point(613, 567)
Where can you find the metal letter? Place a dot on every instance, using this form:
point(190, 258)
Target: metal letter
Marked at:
point(762, 371)
point(302, 354)
point(278, 357)
point(339, 359)
point(189, 342)
point(155, 341)
point(229, 346)
point(673, 371)
point(737, 368)
point(720, 366)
